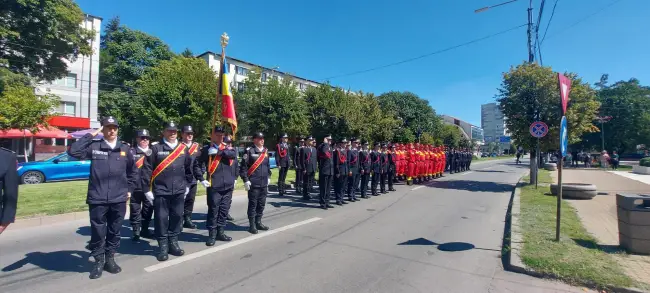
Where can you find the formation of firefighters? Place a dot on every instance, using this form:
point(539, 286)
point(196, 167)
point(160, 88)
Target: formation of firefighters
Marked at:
point(418, 162)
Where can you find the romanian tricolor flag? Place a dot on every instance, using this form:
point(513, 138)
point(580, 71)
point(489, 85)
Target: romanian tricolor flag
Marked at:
point(227, 103)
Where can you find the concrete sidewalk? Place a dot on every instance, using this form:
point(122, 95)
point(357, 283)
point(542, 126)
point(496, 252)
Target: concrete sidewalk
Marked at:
point(599, 215)
point(638, 177)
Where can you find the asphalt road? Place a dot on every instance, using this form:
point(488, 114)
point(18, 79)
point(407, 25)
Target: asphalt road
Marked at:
point(445, 236)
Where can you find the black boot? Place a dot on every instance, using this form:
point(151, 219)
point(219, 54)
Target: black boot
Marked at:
point(188, 222)
point(221, 235)
point(230, 218)
point(163, 254)
point(329, 206)
point(174, 248)
point(251, 226)
point(98, 267)
point(212, 238)
point(110, 265)
point(145, 232)
point(136, 233)
point(259, 225)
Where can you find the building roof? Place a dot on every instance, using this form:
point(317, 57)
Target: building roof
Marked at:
point(94, 16)
point(256, 65)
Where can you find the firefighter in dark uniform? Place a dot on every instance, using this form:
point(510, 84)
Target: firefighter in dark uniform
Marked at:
point(297, 165)
point(470, 157)
point(255, 171)
point(113, 177)
point(308, 161)
point(457, 161)
point(384, 169)
point(365, 168)
point(392, 166)
point(375, 161)
point(282, 160)
point(340, 171)
point(217, 159)
point(325, 172)
point(8, 188)
point(193, 148)
point(235, 168)
point(354, 167)
point(141, 209)
point(167, 178)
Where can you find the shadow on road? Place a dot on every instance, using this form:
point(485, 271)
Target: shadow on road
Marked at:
point(447, 247)
point(474, 186)
point(490, 171)
point(604, 248)
point(60, 261)
point(293, 203)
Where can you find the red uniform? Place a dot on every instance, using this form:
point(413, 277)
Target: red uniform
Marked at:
point(412, 163)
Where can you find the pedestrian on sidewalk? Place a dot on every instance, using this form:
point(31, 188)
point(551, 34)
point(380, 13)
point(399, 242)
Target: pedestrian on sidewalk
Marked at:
point(604, 160)
point(615, 160)
point(113, 177)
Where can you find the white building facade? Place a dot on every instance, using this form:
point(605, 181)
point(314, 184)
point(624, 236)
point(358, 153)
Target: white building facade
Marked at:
point(471, 132)
point(79, 89)
point(238, 71)
point(494, 126)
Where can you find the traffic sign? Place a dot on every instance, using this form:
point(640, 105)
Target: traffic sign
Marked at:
point(565, 87)
point(504, 139)
point(564, 136)
point(538, 129)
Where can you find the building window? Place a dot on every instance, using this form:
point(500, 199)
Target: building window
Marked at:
point(302, 86)
point(68, 108)
point(264, 76)
point(241, 70)
point(68, 81)
point(240, 86)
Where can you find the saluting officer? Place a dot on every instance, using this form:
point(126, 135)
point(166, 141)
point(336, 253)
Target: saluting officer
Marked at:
point(298, 165)
point(113, 177)
point(167, 178)
point(217, 158)
point(365, 168)
point(384, 169)
point(308, 164)
point(325, 172)
point(375, 158)
point(340, 171)
point(141, 209)
point(255, 171)
point(193, 148)
point(392, 166)
point(282, 160)
point(8, 188)
point(354, 167)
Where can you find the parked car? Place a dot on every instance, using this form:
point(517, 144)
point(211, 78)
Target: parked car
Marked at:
point(484, 155)
point(57, 168)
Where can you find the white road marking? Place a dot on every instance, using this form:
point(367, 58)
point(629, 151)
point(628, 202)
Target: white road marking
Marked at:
point(205, 252)
point(416, 188)
point(468, 172)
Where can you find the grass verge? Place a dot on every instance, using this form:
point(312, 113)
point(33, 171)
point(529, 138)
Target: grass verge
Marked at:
point(576, 259)
point(70, 196)
point(494, 158)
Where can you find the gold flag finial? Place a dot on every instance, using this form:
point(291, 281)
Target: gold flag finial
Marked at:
point(224, 40)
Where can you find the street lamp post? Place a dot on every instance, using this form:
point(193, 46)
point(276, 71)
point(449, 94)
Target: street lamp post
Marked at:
point(603, 120)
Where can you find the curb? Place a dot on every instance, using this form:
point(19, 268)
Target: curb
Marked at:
point(513, 244)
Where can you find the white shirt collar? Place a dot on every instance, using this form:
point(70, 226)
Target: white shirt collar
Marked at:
point(173, 146)
point(188, 144)
point(144, 149)
point(112, 145)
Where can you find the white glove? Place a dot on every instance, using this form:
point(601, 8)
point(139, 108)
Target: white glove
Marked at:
point(235, 184)
point(205, 183)
point(247, 185)
point(149, 196)
point(187, 190)
point(268, 182)
point(212, 151)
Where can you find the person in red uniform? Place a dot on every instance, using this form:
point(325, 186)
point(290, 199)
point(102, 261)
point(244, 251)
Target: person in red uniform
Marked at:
point(410, 172)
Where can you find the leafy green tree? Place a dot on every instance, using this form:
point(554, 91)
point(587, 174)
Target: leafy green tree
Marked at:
point(38, 35)
point(180, 89)
point(450, 135)
point(415, 114)
point(187, 53)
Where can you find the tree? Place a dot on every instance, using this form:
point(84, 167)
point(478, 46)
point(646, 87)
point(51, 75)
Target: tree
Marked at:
point(450, 135)
point(528, 85)
point(493, 147)
point(414, 114)
point(181, 90)
point(37, 36)
point(187, 53)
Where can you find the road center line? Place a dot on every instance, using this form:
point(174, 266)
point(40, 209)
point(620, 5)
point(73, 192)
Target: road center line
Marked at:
point(205, 252)
point(416, 188)
point(468, 172)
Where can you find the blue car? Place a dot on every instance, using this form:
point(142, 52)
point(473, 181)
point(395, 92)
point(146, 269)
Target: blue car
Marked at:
point(57, 168)
point(241, 151)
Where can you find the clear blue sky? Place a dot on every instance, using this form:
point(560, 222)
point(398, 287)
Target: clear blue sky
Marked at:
point(320, 39)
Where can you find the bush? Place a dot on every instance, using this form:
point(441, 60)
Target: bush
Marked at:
point(645, 162)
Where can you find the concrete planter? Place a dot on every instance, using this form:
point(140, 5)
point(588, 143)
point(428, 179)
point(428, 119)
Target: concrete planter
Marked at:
point(641, 170)
point(550, 166)
point(575, 190)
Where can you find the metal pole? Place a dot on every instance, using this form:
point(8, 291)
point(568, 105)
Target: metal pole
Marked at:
point(537, 159)
point(602, 135)
point(559, 199)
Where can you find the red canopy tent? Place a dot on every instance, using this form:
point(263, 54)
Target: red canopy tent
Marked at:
point(43, 132)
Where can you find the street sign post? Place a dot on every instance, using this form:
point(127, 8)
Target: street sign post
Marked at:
point(564, 85)
point(538, 129)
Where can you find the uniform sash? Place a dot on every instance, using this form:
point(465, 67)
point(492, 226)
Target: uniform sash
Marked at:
point(194, 148)
point(166, 162)
point(257, 163)
point(140, 162)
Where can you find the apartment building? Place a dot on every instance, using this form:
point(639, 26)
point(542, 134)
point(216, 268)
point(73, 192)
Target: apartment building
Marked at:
point(494, 125)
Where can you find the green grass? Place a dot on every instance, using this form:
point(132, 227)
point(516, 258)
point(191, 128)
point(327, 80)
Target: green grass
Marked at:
point(577, 258)
point(70, 196)
point(494, 158)
point(624, 167)
point(542, 177)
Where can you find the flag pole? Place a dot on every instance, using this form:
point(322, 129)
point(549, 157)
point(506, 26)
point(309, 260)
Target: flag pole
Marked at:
point(224, 43)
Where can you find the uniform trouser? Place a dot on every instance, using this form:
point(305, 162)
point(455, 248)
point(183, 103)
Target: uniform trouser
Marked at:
point(105, 225)
point(140, 209)
point(169, 214)
point(339, 185)
point(382, 181)
point(469, 163)
point(364, 183)
point(324, 183)
point(256, 202)
point(374, 182)
point(391, 175)
point(189, 201)
point(307, 183)
point(218, 207)
point(281, 178)
point(299, 178)
point(353, 185)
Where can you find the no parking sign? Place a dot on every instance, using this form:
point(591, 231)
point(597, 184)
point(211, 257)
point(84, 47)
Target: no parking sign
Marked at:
point(538, 129)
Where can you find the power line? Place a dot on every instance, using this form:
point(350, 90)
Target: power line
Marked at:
point(425, 55)
point(549, 22)
point(539, 21)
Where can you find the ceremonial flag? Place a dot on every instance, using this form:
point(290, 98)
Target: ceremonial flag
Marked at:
point(227, 103)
